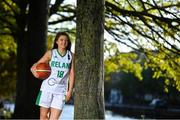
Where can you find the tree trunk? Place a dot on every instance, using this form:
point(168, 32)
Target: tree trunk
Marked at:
point(89, 83)
point(30, 48)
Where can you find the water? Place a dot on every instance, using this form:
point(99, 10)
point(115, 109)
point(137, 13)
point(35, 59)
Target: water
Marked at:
point(68, 113)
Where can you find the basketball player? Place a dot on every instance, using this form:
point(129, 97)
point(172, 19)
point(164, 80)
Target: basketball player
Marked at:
point(56, 89)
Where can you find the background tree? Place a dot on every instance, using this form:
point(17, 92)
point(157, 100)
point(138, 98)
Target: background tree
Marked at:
point(143, 25)
point(7, 66)
point(89, 91)
point(150, 27)
point(32, 41)
point(139, 86)
point(26, 23)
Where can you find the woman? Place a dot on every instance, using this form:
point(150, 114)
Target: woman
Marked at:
point(56, 89)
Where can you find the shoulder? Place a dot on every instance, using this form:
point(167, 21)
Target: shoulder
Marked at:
point(71, 53)
point(51, 51)
point(48, 53)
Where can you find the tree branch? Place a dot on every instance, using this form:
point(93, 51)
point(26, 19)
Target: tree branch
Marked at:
point(54, 8)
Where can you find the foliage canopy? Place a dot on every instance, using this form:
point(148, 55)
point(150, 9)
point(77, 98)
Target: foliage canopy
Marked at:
point(150, 27)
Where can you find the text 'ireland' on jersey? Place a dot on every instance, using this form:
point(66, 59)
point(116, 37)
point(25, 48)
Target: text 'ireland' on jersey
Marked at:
point(60, 65)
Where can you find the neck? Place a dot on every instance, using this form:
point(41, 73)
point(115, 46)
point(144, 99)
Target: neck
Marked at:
point(62, 51)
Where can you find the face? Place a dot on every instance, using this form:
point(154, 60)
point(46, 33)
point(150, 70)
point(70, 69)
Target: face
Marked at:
point(62, 42)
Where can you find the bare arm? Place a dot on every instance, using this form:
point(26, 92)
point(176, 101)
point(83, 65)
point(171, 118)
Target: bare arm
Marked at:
point(71, 77)
point(71, 80)
point(44, 59)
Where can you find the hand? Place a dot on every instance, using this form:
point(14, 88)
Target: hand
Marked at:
point(68, 96)
point(33, 70)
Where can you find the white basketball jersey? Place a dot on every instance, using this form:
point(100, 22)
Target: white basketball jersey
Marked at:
point(60, 65)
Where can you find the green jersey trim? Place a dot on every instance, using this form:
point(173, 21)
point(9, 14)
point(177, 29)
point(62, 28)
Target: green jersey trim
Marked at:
point(38, 98)
point(60, 53)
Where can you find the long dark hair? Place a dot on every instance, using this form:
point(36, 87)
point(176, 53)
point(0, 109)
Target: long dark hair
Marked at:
point(57, 37)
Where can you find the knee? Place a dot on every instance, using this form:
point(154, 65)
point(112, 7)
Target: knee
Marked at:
point(43, 116)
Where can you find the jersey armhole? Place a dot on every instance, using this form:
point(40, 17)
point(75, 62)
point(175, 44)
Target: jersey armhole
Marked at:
point(71, 54)
point(51, 54)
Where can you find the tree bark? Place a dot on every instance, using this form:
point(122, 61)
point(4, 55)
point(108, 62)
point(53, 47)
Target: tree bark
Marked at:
point(89, 83)
point(30, 48)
